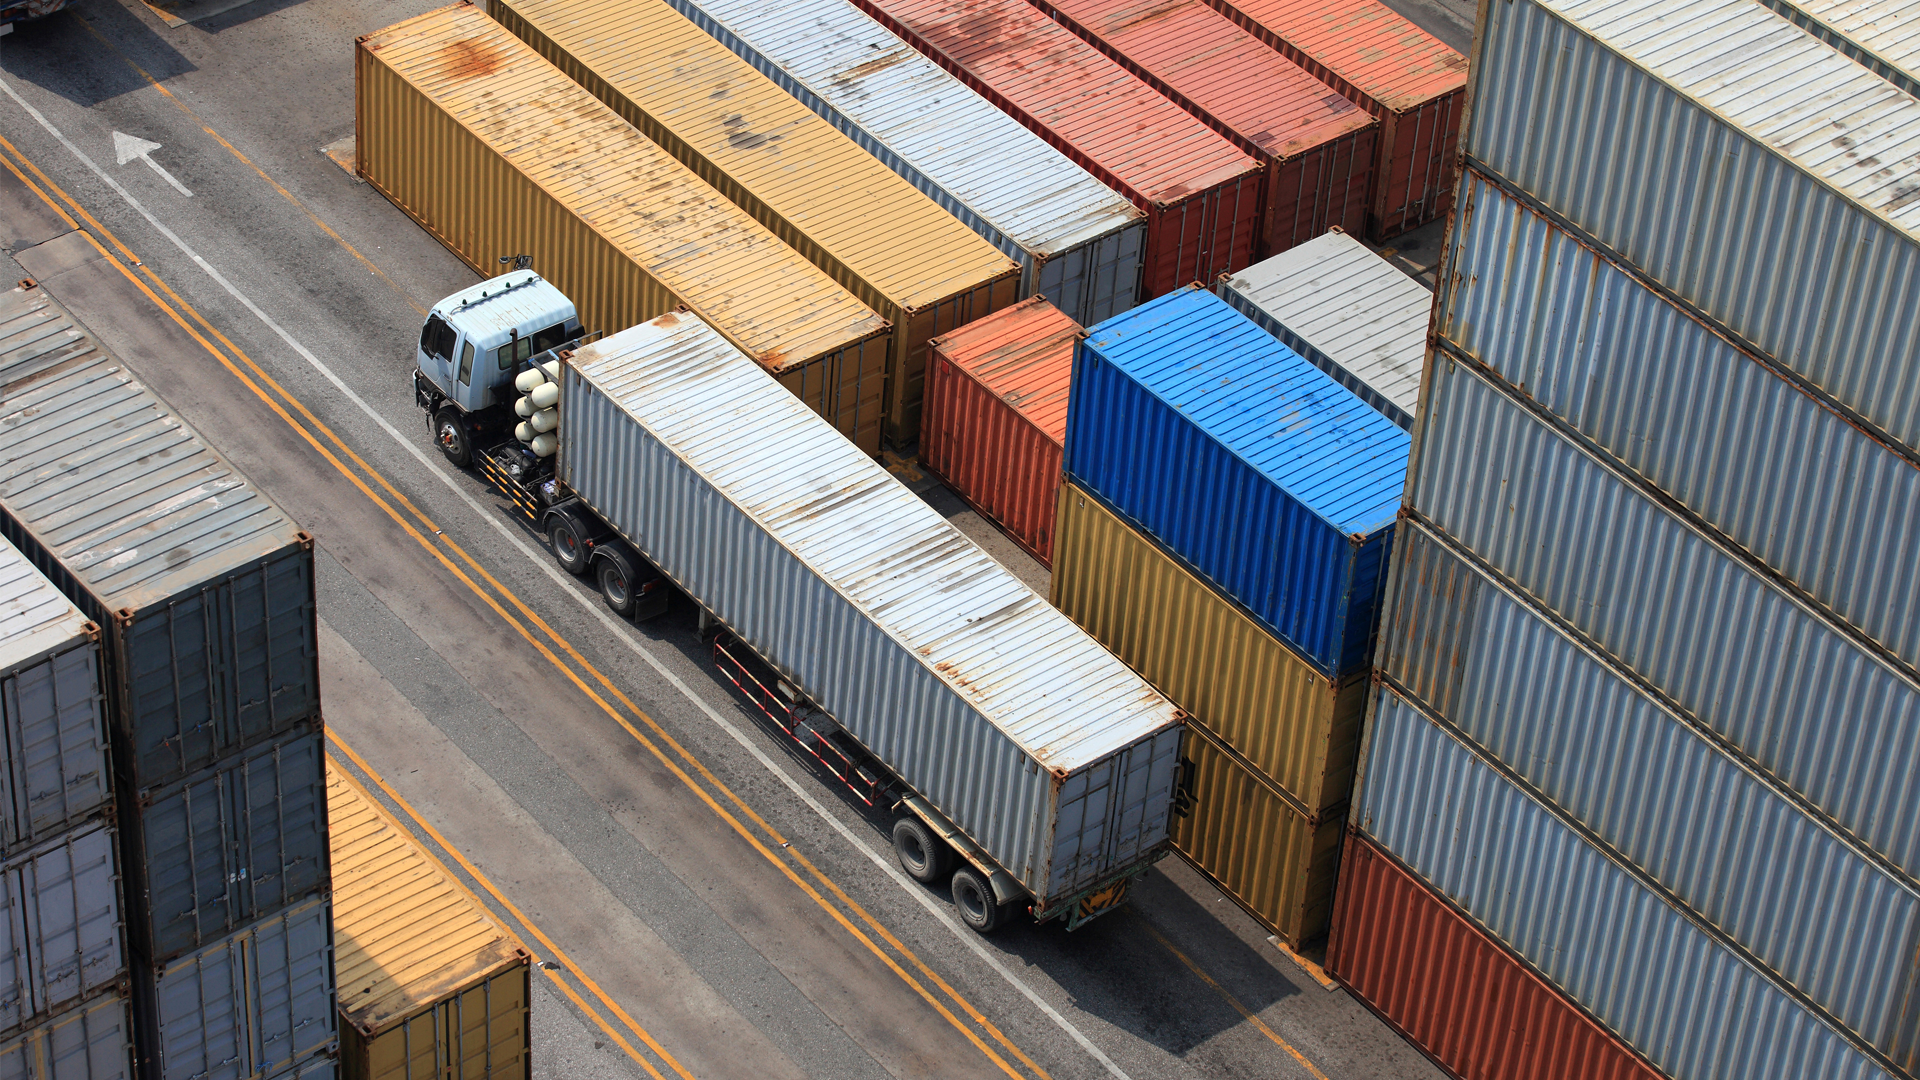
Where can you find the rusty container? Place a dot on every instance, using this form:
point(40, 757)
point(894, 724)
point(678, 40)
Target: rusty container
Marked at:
point(997, 415)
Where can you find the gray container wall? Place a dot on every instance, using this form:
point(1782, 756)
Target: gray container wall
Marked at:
point(202, 587)
point(1078, 242)
point(211, 854)
point(1644, 968)
point(89, 1043)
point(1720, 837)
point(253, 1005)
point(1784, 174)
point(324, 1065)
point(59, 926)
point(56, 770)
point(1716, 642)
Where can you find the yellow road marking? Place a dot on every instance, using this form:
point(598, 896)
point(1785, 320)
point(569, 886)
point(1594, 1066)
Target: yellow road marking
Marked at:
point(1244, 1012)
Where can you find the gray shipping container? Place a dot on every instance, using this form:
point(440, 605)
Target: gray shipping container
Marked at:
point(228, 846)
point(1722, 838)
point(1037, 743)
point(1784, 174)
point(203, 588)
point(1348, 311)
point(1749, 454)
point(1642, 966)
point(1079, 243)
point(1785, 685)
point(89, 1043)
point(54, 730)
point(256, 1005)
point(59, 926)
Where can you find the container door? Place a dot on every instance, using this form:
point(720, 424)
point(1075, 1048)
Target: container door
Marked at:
point(289, 965)
point(56, 743)
point(486, 1029)
point(72, 919)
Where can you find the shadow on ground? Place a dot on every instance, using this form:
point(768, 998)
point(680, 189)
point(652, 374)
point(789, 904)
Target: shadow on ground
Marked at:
point(62, 53)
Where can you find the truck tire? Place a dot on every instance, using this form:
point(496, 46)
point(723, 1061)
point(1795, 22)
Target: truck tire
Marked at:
point(925, 857)
point(616, 578)
point(973, 899)
point(450, 435)
point(569, 547)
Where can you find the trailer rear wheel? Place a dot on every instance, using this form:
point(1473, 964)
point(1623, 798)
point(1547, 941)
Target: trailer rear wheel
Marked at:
point(616, 584)
point(973, 898)
point(569, 550)
point(450, 435)
point(924, 856)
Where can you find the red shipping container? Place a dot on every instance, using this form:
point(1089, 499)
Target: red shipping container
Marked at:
point(1394, 70)
point(1451, 990)
point(995, 418)
point(1318, 147)
point(1200, 193)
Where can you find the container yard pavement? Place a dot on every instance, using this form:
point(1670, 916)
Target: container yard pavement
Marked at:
point(685, 901)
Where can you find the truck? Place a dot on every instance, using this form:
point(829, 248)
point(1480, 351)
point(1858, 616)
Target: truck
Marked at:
point(1022, 763)
point(23, 10)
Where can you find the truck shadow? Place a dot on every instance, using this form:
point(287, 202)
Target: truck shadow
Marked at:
point(62, 53)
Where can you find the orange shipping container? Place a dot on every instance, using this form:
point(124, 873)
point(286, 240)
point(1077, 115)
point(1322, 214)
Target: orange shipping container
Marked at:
point(996, 417)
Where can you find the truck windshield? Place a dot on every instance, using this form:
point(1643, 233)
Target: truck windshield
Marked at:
point(436, 338)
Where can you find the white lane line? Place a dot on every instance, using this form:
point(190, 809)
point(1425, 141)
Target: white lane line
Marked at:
point(545, 561)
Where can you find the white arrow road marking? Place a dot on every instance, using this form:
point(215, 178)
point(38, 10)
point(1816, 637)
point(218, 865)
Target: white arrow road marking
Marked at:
point(126, 148)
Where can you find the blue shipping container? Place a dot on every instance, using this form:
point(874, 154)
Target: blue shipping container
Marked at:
point(1274, 483)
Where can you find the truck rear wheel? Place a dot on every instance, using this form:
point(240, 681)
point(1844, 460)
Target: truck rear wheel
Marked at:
point(450, 435)
point(974, 900)
point(616, 584)
point(924, 856)
point(569, 549)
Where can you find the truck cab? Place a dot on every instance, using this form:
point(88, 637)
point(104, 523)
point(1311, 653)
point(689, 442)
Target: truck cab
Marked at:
point(473, 344)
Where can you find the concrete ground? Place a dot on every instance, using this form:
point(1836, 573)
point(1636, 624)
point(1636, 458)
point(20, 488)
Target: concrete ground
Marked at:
point(702, 902)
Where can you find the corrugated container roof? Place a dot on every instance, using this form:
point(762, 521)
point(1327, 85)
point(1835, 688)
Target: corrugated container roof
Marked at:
point(1283, 416)
point(776, 306)
point(35, 617)
point(1001, 647)
point(1349, 311)
point(986, 159)
point(1883, 35)
point(1023, 354)
point(863, 214)
point(1369, 45)
point(405, 933)
point(107, 478)
point(1269, 103)
point(1148, 143)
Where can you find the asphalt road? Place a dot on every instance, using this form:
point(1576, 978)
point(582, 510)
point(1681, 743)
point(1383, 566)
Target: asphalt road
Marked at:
point(703, 903)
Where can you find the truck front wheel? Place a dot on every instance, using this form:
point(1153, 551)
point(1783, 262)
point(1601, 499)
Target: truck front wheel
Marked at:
point(924, 856)
point(450, 435)
point(973, 898)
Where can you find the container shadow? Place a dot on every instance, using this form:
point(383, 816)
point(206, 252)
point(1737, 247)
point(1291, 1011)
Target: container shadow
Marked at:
point(61, 55)
point(233, 15)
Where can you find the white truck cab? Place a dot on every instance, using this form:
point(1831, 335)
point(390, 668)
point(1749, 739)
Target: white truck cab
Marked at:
point(474, 343)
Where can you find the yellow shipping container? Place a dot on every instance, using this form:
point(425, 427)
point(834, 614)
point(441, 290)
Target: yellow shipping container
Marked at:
point(496, 152)
point(1251, 841)
point(1229, 675)
point(871, 230)
point(431, 988)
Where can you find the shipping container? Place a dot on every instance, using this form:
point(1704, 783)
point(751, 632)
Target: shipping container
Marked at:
point(1256, 470)
point(1721, 838)
point(1317, 148)
point(233, 844)
point(1394, 70)
point(1200, 193)
point(1079, 243)
point(323, 1064)
point(253, 1006)
point(1453, 991)
point(1747, 454)
point(527, 162)
point(1300, 729)
point(59, 926)
point(996, 415)
point(1039, 746)
point(202, 586)
point(1713, 640)
point(89, 1043)
point(871, 231)
point(1355, 315)
point(1785, 209)
point(433, 987)
point(55, 726)
point(1652, 973)
point(1243, 834)
point(1878, 36)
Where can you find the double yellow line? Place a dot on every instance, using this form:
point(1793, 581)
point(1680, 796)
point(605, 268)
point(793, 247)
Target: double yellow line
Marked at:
point(598, 688)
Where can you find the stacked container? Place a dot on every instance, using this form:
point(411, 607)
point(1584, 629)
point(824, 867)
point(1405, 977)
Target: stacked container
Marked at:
point(1223, 528)
point(1646, 728)
point(1201, 194)
point(203, 593)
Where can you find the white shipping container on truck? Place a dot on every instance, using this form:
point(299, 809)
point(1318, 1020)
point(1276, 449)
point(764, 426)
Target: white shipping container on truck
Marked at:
point(1047, 763)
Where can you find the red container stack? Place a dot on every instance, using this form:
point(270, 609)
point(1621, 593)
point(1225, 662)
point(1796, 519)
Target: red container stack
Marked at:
point(995, 417)
point(1452, 990)
point(1201, 194)
point(1318, 147)
point(1394, 70)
